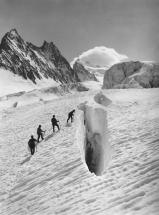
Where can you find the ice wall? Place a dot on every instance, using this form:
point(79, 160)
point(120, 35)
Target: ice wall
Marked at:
point(93, 133)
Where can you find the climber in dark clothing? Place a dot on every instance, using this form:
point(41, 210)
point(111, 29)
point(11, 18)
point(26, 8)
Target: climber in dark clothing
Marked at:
point(32, 144)
point(54, 123)
point(71, 115)
point(40, 133)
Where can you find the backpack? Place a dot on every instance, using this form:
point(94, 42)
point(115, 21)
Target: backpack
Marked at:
point(31, 143)
point(54, 121)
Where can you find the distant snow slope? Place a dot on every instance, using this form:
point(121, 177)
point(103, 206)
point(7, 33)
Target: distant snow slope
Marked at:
point(22, 98)
point(55, 180)
point(11, 83)
point(99, 58)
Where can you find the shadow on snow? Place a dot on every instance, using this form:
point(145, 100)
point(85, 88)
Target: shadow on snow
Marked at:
point(68, 125)
point(50, 136)
point(26, 160)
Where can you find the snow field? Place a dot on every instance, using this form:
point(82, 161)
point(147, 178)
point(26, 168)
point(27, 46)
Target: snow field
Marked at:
point(11, 83)
point(55, 180)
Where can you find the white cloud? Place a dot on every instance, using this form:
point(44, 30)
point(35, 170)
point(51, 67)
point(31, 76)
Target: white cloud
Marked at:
point(101, 57)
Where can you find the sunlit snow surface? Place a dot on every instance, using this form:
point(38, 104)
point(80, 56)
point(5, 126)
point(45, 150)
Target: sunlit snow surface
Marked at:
point(11, 83)
point(55, 180)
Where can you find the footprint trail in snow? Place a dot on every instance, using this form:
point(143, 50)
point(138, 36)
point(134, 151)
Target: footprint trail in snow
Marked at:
point(55, 180)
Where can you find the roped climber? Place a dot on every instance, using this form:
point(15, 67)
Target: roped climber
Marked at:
point(54, 122)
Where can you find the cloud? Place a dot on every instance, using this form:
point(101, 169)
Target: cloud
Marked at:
point(101, 56)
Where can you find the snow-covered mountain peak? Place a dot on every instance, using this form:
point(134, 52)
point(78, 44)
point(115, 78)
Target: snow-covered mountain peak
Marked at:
point(34, 65)
point(12, 40)
point(14, 36)
point(100, 57)
point(50, 50)
point(49, 46)
point(13, 33)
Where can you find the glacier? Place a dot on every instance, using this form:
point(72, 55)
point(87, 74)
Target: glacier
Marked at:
point(56, 179)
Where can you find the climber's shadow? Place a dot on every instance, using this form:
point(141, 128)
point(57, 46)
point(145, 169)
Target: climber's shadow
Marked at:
point(49, 136)
point(26, 160)
point(38, 143)
point(68, 124)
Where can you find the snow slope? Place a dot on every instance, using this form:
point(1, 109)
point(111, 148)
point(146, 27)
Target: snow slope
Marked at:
point(11, 83)
point(31, 93)
point(55, 180)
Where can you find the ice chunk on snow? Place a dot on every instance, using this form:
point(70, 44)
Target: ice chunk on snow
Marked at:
point(100, 98)
point(94, 144)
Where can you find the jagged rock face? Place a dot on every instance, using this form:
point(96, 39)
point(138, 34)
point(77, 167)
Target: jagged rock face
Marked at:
point(132, 75)
point(31, 62)
point(83, 74)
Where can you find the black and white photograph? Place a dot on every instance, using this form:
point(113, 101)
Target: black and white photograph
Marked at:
point(79, 107)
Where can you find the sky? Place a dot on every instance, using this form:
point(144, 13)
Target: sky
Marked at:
point(131, 27)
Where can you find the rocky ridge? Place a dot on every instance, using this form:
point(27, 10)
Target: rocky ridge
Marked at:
point(35, 63)
point(84, 74)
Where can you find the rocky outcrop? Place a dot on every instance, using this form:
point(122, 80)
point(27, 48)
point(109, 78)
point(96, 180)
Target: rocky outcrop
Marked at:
point(83, 74)
point(133, 74)
point(34, 63)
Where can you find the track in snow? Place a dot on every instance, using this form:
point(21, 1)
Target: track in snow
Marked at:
point(55, 181)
